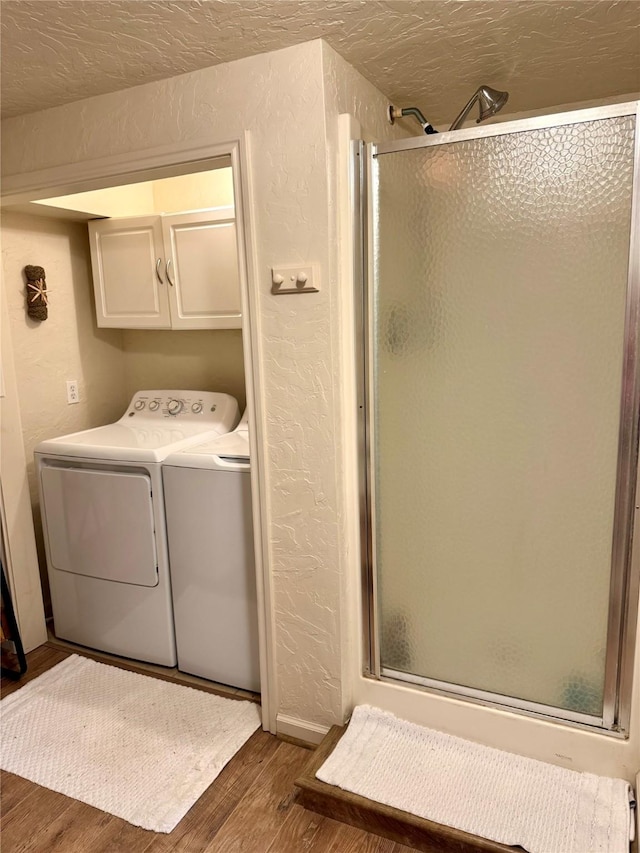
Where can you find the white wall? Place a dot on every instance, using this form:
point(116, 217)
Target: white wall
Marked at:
point(67, 345)
point(194, 192)
point(128, 200)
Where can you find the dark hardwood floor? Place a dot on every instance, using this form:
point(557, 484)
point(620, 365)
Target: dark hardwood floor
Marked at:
point(251, 807)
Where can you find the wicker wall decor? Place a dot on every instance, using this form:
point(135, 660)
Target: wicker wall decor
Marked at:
point(37, 294)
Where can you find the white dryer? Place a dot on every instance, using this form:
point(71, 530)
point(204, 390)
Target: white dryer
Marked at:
point(103, 519)
point(207, 490)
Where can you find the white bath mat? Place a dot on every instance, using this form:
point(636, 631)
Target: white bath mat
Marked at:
point(134, 746)
point(486, 792)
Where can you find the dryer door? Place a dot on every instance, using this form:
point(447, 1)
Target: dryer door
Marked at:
point(100, 524)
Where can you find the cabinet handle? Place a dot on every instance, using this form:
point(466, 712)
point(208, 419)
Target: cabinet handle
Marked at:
point(168, 276)
point(158, 262)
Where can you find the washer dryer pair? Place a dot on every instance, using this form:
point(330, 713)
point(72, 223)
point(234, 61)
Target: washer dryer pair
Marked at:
point(103, 515)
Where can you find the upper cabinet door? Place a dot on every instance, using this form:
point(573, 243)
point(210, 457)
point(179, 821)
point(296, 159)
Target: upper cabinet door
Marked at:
point(129, 273)
point(202, 268)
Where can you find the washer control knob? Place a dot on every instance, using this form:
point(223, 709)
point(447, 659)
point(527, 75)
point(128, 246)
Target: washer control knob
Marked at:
point(139, 404)
point(174, 407)
point(154, 405)
point(196, 408)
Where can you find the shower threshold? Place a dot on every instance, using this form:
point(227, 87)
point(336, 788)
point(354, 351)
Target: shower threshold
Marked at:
point(386, 821)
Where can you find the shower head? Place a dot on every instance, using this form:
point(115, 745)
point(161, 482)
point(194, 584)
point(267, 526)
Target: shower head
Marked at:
point(490, 102)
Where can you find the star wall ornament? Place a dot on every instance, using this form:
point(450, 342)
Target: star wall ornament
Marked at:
point(40, 288)
point(37, 293)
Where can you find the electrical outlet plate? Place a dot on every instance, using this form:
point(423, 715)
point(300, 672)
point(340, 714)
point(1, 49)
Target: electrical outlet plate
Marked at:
point(299, 279)
point(73, 394)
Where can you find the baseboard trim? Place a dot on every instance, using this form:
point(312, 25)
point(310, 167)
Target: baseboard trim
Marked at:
point(300, 729)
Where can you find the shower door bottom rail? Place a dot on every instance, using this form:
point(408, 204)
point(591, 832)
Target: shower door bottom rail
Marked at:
point(497, 700)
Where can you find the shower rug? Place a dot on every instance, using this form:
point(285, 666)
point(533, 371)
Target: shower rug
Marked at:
point(132, 745)
point(487, 792)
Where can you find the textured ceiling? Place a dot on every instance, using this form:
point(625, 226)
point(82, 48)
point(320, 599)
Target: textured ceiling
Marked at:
point(426, 53)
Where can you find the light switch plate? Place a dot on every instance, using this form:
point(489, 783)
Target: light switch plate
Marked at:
point(300, 279)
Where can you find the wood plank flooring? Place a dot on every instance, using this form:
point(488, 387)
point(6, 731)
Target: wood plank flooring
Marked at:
point(250, 808)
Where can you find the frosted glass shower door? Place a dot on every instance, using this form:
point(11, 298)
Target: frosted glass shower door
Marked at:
point(497, 330)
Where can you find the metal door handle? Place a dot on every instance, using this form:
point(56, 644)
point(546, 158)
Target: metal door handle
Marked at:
point(158, 263)
point(168, 276)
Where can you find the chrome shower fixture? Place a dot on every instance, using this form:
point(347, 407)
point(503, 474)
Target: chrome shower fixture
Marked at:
point(490, 101)
point(393, 113)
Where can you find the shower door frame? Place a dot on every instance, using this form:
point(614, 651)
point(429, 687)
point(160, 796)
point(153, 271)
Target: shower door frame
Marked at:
point(625, 556)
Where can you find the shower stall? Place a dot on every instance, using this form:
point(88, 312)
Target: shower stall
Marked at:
point(500, 395)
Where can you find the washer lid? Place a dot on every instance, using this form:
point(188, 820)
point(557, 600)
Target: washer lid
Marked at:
point(145, 435)
point(226, 452)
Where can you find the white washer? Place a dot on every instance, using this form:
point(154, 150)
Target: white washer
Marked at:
point(104, 524)
point(207, 490)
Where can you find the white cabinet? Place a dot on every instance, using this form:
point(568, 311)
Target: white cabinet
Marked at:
point(127, 257)
point(202, 270)
point(175, 271)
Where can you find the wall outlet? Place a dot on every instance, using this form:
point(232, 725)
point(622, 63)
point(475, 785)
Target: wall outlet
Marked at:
point(73, 395)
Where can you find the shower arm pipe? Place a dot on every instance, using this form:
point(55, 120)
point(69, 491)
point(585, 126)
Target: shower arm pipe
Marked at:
point(395, 113)
point(465, 111)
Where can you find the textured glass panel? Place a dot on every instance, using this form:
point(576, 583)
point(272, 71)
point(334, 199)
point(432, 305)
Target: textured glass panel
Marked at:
point(498, 315)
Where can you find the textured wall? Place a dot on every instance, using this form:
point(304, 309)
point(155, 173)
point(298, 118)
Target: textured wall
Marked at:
point(312, 600)
point(279, 98)
point(65, 346)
